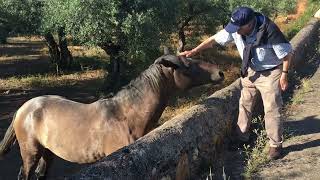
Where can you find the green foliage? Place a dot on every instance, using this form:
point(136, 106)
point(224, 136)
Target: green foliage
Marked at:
point(55, 15)
point(138, 27)
point(132, 25)
point(20, 16)
point(205, 17)
point(269, 8)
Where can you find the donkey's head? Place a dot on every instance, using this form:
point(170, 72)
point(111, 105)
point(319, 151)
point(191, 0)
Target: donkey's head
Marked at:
point(188, 73)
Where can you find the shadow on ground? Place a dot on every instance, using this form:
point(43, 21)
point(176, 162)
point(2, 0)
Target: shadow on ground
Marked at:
point(301, 147)
point(21, 59)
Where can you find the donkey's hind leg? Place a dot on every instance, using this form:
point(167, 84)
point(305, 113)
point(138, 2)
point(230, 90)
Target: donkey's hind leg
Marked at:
point(30, 154)
point(44, 164)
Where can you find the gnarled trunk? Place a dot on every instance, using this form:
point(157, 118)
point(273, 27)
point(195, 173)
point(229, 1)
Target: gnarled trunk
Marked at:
point(54, 52)
point(113, 79)
point(182, 36)
point(60, 55)
point(65, 55)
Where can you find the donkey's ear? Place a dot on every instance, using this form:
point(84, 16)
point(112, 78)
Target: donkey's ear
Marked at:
point(169, 61)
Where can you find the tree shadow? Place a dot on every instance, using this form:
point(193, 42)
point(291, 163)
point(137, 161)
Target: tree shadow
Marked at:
point(307, 70)
point(308, 125)
point(9, 104)
point(21, 59)
point(301, 147)
point(24, 67)
point(21, 49)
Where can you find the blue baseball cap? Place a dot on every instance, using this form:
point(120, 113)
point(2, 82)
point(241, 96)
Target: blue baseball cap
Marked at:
point(241, 16)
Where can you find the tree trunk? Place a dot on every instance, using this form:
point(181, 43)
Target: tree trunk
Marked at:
point(182, 36)
point(65, 55)
point(54, 51)
point(60, 55)
point(113, 79)
point(182, 40)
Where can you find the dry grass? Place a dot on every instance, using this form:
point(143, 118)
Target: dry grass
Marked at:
point(50, 80)
point(305, 87)
point(34, 48)
point(19, 57)
point(171, 112)
point(26, 39)
point(284, 21)
point(81, 51)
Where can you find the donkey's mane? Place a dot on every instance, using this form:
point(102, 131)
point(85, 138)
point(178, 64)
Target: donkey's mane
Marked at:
point(152, 78)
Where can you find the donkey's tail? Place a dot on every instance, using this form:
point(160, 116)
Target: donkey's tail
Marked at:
point(8, 140)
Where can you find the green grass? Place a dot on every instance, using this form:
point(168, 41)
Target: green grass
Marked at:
point(257, 154)
point(312, 7)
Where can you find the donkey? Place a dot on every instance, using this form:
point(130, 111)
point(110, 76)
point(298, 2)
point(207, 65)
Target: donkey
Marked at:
point(84, 133)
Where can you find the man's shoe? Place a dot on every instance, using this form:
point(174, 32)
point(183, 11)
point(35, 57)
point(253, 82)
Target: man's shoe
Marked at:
point(275, 152)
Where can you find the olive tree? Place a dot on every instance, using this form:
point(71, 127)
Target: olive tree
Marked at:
point(19, 17)
point(53, 22)
point(198, 18)
point(129, 32)
point(31, 17)
point(269, 8)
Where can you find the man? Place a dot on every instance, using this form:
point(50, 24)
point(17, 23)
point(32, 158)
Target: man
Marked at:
point(266, 56)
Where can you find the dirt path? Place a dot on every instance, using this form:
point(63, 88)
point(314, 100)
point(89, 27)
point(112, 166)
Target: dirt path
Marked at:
point(284, 21)
point(301, 152)
point(21, 59)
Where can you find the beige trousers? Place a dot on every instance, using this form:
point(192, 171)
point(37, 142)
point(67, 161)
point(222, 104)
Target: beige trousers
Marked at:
point(267, 83)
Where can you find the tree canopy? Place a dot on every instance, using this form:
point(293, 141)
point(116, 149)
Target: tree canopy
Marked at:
point(131, 32)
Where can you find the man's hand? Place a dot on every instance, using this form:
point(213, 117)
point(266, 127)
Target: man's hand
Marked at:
point(188, 53)
point(204, 45)
point(284, 81)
